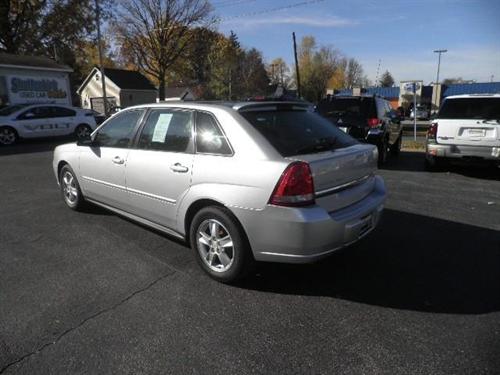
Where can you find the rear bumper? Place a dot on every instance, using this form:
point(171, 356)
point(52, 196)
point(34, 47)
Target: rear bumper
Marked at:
point(460, 151)
point(304, 235)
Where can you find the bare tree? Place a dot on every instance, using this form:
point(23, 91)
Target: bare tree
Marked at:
point(354, 73)
point(155, 33)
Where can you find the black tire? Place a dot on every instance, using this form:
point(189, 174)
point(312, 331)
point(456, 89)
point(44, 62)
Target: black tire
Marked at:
point(82, 131)
point(8, 136)
point(435, 164)
point(70, 189)
point(210, 255)
point(396, 147)
point(382, 152)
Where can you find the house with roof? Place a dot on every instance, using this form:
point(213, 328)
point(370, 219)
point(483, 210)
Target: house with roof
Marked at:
point(33, 79)
point(179, 93)
point(124, 88)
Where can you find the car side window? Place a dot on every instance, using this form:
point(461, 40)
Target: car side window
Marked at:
point(62, 112)
point(167, 130)
point(209, 136)
point(119, 130)
point(36, 113)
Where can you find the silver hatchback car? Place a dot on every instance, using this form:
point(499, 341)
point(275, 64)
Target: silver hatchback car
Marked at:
point(241, 182)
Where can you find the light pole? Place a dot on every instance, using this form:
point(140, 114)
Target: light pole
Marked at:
point(439, 52)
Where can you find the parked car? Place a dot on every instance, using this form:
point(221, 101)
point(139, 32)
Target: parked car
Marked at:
point(43, 120)
point(467, 127)
point(369, 119)
point(268, 181)
point(423, 113)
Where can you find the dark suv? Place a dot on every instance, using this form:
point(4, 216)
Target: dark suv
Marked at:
point(369, 119)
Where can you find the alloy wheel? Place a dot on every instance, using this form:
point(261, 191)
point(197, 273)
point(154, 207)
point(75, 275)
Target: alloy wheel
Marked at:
point(7, 136)
point(82, 131)
point(70, 189)
point(215, 245)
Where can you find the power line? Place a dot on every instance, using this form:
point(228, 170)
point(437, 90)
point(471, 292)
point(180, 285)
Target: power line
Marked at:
point(259, 12)
point(225, 4)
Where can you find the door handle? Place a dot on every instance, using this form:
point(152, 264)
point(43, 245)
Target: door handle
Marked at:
point(178, 167)
point(118, 160)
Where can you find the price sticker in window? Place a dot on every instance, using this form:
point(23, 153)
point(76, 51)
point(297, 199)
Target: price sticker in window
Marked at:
point(161, 127)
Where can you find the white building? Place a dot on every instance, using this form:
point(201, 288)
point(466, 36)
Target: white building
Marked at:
point(124, 88)
point(33, 79)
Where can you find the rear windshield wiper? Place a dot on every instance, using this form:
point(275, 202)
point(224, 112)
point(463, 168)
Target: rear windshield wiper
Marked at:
point(491, 119)
point(321, 144)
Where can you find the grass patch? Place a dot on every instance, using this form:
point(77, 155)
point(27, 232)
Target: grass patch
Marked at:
point(413, 145)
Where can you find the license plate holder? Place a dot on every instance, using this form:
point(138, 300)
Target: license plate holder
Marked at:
point(476, 132)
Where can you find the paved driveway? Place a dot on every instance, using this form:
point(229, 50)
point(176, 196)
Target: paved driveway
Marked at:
point(94, 293)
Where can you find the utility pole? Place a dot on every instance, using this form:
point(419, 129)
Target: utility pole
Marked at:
point(439, 52)
point(101, 67)
point(296, 65)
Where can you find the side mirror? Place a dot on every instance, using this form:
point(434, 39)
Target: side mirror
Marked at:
point(87, 140)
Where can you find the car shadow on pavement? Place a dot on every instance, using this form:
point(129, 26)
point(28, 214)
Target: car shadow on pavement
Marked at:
point(413, 161)
point(410, 262)
point(28, 146)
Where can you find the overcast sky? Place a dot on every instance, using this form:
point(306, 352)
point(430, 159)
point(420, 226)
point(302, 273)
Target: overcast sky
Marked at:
point(401, 33)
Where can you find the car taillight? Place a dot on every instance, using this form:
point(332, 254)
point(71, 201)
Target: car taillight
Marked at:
point(295, 187)
point(432, 132)
point(374, 122)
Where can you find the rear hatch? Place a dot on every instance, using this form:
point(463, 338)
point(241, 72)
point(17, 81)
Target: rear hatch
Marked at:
point(350, 114)
point(342, 168)
point(469, 121)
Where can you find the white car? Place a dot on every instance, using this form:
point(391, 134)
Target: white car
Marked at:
point(44, 120)
point(422, 113)
point(467, 128)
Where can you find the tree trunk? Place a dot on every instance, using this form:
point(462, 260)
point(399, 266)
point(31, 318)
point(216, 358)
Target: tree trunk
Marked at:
point(161, 88)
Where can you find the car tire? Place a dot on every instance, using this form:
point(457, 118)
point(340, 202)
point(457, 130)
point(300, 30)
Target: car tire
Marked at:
point(8, 136)
point(220, 245)
point(435, 164)
point(70, 189)
point(82, 131)
point(382, 152)
point(396, 147)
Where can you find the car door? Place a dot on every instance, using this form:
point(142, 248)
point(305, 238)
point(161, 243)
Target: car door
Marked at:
point(63, 120)
point(36, 122)
point(159, 167)
point(102, 165)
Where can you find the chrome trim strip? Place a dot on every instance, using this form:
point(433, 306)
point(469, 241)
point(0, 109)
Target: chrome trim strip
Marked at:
point(152, 196)
point(129, 190)
point(96, 181)
point(338, 188)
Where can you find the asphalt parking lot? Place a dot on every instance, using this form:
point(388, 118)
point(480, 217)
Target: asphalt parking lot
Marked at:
point(95, 293)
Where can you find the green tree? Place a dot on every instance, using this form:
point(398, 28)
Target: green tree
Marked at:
point(386, 80)
point(317, 65)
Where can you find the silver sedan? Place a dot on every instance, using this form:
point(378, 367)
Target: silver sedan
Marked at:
point(241, 182)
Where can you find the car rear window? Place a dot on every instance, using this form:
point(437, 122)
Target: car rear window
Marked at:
point(343, 107)
point(470, 108)
point(294, 130)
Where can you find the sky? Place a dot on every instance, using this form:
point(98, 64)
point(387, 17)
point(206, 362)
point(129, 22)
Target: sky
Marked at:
point(400, 34)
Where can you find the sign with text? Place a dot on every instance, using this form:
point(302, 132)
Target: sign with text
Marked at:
point(25, 89)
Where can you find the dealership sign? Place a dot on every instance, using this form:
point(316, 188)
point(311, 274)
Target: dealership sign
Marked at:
point(34, 89)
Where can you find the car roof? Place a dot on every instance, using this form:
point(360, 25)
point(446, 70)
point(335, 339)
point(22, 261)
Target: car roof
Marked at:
point(228, 105)
point(473, 96)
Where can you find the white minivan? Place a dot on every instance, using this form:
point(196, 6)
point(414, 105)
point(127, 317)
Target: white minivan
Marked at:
point(44, 120)
point(468, 128)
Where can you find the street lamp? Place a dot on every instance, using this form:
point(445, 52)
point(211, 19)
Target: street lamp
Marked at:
point(439, 52)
